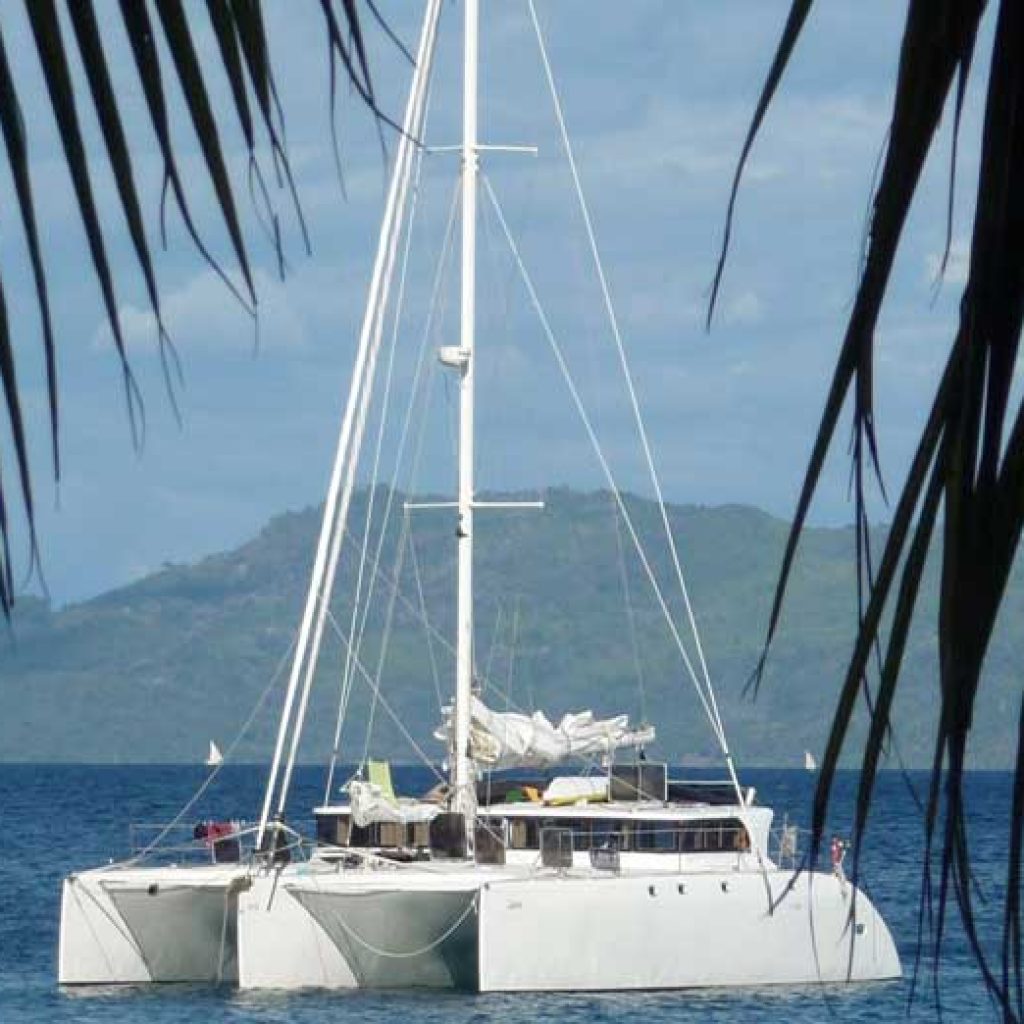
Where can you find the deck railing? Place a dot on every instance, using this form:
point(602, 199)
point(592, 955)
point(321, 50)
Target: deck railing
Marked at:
point(206, 842)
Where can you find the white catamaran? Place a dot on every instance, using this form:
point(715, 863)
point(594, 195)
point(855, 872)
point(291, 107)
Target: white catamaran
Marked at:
point(623, 878)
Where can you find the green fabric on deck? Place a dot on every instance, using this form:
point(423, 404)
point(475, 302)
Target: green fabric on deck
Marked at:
point(379, 773)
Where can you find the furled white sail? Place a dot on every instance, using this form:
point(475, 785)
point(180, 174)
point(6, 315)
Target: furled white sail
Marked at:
point(506, 739)
point(370, 805)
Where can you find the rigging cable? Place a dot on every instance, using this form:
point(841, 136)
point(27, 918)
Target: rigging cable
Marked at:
point(400, 552)
point(432, 630)
point(602, 460)
point(492, 647)
point(389, 619)
point(347, 458)
point(368, 679)
point(360, 612)
point(630, 614)
point(208, 781)
point(435, 675)
point(616, 334)
point(399, 305)
point(355, 644)
point(512, 653)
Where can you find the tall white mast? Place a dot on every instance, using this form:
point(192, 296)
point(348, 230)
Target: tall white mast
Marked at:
point(462, 766)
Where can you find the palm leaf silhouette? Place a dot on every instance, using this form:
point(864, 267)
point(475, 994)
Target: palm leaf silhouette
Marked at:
point(245, 59)
point(965, 486)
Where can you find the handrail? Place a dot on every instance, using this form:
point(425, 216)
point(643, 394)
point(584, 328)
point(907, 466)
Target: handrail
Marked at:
point(188, 844)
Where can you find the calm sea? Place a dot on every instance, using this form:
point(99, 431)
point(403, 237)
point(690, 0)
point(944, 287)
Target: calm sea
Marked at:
point(57, 819)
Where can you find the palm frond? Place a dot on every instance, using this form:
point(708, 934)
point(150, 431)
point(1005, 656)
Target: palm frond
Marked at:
point(9, 382)
point(787, 44)
point(42, 16)
point(193, 86)
point(965, 486)
point(90, 45)
point(147, 63)
point(244, 55)
point(13, 126)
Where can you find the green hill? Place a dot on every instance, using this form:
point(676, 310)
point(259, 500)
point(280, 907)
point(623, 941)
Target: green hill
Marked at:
point(151, 671)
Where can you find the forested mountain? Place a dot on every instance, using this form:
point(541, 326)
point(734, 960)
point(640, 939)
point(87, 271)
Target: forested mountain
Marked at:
point(152, 671)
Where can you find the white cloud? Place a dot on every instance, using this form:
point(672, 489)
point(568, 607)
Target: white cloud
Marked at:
point(204, 315)
point(957, 266)
point(743, 310)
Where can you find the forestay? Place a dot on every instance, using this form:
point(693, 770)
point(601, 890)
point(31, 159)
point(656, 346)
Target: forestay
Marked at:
point(506, 739)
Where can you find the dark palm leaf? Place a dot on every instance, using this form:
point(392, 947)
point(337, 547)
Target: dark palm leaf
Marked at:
point(190, 76)
point(969, 464)
point(94, 61)
point(13, 126)
point(10, 388)
point(252, 40)
point(147, 62)
point(227, 41)
point(42, 17)
point(244, 54)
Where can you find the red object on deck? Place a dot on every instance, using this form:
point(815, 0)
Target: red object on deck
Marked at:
point(838, 851)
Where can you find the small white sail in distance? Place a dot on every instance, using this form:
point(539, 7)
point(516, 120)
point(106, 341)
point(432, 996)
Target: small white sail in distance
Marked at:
point(214, 757)
point(809, 763)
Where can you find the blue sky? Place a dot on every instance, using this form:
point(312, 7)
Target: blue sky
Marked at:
point(657, 96)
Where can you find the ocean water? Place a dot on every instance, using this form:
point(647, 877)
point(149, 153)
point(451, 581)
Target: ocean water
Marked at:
point(57, 819)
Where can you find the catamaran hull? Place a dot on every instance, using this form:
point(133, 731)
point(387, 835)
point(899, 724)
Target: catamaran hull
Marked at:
point(399, 939)
point(281, 945)
point(162, 925)
point(679, 932)
point(569, 933)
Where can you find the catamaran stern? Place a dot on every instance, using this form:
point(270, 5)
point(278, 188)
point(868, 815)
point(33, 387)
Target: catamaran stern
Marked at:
point(127, 926)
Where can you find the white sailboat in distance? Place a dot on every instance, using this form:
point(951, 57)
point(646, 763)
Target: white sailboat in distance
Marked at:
point(214, 758)
point(622, 877)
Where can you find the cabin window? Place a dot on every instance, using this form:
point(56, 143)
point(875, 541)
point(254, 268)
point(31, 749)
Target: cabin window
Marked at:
point(580, 833)
point(418, 834)
point(365, 836)
point(627, 835)
point(391, 834)
point(326, 830)
point(523, 834)
point(606, 834)
point(655, 836)
point(333, 829)
point(339, 830)
point(713, 836)
point(517, 835)
point(664, 837)
point(643, 835)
